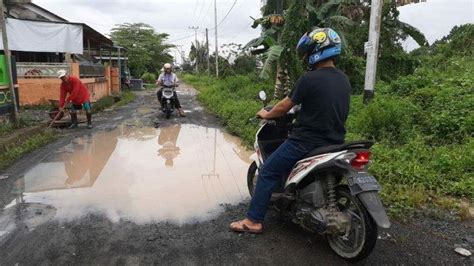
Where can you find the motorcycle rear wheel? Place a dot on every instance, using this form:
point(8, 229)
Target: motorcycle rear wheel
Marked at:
point(252, 177)
point(363, 229)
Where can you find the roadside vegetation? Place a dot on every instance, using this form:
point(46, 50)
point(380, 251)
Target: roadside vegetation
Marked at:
point(7, 128)
point(422, 122)
point(13, 152)
point(109, 101)
point(127, 97)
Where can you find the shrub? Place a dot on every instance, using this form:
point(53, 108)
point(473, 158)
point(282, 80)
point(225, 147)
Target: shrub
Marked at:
point(102, 104)
point(148, 77)
point(443, 170)
point(385, 118)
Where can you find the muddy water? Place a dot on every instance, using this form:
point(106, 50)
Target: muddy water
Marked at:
point(180, 173)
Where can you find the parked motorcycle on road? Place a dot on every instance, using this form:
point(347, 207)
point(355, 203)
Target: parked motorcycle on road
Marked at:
point(329, 191)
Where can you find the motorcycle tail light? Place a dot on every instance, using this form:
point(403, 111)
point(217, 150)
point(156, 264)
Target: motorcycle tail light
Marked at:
point(361, 159)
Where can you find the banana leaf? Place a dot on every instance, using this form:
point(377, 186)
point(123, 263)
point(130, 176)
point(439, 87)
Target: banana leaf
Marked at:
point(272, 55)
point(414, 33)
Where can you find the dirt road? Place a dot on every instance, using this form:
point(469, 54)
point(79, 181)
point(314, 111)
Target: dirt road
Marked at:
point(138, 189)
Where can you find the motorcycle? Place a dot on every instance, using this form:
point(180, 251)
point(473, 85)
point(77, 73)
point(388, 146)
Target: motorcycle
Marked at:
point(168, 100)
point(329, 191)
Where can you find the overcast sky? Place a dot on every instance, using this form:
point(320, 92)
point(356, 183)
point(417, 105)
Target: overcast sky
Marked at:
point(435, 18)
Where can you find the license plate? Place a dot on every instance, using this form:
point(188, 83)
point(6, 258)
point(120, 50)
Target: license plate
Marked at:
point(362, 182)
point(362, 179)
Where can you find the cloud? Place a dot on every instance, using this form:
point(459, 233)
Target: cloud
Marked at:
point(172, 17)
point(435, 18)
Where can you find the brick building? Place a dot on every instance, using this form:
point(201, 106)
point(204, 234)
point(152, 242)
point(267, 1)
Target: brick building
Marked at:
point(36, 68)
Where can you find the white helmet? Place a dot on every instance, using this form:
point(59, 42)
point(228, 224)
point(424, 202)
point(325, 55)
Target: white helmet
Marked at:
point(167, 65)
point(61, 73)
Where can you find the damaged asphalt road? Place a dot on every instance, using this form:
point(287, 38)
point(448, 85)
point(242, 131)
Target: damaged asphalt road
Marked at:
point(138, 189)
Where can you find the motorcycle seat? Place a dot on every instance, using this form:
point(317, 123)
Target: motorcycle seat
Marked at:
point(362, 144)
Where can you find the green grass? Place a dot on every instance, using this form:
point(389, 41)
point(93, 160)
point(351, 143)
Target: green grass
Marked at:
point(102, 104)
point(15, 151)
point(109, 101)
point(42, 107)
point(7, 128)
point(127, 97)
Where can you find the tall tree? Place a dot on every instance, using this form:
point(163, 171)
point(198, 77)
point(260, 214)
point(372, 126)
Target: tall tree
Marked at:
point(147, 49)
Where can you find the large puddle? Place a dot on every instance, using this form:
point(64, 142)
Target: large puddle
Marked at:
point(180, 173)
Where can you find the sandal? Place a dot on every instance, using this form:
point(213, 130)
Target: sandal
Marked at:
point(240, 227)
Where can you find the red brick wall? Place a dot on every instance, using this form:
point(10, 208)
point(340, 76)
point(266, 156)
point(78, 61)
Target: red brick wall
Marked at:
point(39, 91)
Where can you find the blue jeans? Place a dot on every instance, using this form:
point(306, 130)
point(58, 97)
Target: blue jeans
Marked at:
point(279, 163)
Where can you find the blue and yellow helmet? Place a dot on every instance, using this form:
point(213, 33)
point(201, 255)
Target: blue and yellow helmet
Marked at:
point(320, 44)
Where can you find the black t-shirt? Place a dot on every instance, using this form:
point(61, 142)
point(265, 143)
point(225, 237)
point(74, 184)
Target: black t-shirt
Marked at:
point(324, 95)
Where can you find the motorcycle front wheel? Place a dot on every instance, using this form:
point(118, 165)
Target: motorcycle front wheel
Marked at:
point(168, 110)
point(363, 233)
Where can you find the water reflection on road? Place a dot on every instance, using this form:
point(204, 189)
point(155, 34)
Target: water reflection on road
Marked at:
point(179, 173)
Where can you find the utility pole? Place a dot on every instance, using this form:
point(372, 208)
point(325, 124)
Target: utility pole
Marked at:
point(372, 49)
point(119, 62)
point(195, 28)
point(217, 45)
point(3, 27)
point(207, 52)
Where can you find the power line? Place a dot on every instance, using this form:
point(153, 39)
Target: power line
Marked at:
point(207, 12)
point(218, 24)
point(182, 38)
point(226, 15)
point(200, 12)
point(242, 30)
point(195, 8)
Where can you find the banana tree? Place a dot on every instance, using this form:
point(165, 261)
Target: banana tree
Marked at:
point(283, 22)
point(198, 54)
point(281, 31)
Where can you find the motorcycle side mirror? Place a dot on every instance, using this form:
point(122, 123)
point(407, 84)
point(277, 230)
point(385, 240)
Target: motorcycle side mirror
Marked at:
point(262, 95)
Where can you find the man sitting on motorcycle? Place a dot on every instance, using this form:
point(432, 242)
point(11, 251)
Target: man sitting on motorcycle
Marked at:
point(324, 95)
point(169, 79)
